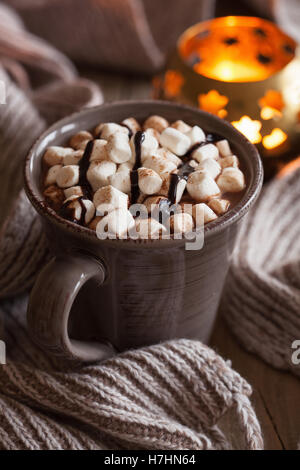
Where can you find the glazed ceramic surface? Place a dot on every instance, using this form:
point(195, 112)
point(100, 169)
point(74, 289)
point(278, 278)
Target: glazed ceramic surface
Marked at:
point(96, 297)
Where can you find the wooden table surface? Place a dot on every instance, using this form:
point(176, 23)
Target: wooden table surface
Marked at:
point(276, 396)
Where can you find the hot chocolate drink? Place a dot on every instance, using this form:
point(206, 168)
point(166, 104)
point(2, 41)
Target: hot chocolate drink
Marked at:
point(182, 177)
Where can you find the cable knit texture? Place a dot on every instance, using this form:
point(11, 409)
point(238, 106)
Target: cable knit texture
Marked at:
point(168, 396)
point(262, 295)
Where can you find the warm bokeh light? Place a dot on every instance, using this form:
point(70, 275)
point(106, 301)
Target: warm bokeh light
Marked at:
point(250, 128)
point(273, 140)
point(229, 71)
point(271, 105)
point(245, 70)
point(267, 113)
point(173, 83)
point(213, 102)
point(273, 99)
point(222, 113)
point(236, 49)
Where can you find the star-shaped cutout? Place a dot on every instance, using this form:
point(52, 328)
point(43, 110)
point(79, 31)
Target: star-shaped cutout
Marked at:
point(264, 59)
point(273, 99)
point(250, 128)
point(260, 32)
point(173, 83)
point(213, 101)
point(230, 41)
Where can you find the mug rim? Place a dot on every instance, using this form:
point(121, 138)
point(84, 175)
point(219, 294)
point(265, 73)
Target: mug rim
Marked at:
point(210, 229)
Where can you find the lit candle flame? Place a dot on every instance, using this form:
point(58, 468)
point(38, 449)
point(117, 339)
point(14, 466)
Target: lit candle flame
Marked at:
point(250, 128)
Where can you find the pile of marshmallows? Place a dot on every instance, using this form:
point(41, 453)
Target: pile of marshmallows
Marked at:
point(201, 195)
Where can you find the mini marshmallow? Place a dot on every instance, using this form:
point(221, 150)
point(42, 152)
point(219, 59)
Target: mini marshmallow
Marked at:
point(108, 198)
point(164, 153)
point(73, 191)
point(231, 180)
point(99, 172)
point(68, 176)
point(118, 148)
point(196, 135)
point(193, 163)
point(149, 181)
point(55, 196)
point(186, 207)
point(79, 140)
point(74, 203)
point(181, 222)
point(165, 187)
point(201, 186)
point(107, 129)
point(160, 165)
point(127, 166)
point(117, 223)
point(121, 181)
point(181, 126)
point(148, 147)
point(90, 210)
point(175, 141)
point(204, 152)
point(52, 175)
point(132, 124)
point(224, 148)
point(202, 214)
point(73, 158)
point(231, 161)
point(54, 155)
point(156, 122)
point(99, 150)
point(211, 166)
point(219, 206)
point(153, 133)
point(149, 228)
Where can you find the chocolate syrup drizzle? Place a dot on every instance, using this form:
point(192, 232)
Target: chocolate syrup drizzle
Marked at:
point(83, 168)
point(68, 212)
point(134, 177)
point(186, 169)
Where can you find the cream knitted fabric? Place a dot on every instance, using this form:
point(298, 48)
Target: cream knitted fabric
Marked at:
point(262, 296)
point(23, 117)
point(168, 396)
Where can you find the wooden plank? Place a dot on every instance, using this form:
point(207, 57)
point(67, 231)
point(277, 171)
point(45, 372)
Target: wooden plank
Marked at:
point(276, 394)
point(120, 87)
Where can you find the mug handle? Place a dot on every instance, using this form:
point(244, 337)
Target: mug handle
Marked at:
point(50, 303)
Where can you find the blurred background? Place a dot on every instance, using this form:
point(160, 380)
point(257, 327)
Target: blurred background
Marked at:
point(65, 54)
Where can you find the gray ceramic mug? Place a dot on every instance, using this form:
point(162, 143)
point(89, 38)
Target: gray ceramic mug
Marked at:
point(96, 297)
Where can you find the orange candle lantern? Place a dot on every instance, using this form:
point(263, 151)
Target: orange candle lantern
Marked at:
point(243, 69)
